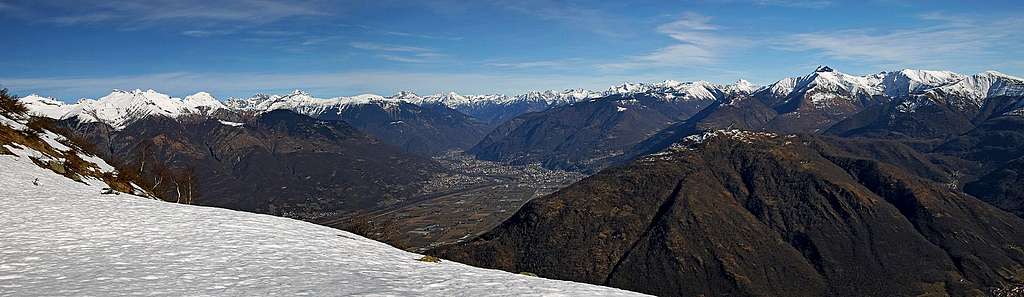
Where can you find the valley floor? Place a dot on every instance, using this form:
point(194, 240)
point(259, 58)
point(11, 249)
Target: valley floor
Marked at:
point(66, 238)
point(452, 208)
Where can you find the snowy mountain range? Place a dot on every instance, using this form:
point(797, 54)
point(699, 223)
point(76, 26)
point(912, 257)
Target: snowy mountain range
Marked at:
point(823, 87)
point(829, 83)
point(121, 107)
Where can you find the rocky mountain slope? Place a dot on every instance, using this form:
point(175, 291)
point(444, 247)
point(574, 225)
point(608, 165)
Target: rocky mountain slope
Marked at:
point(939, 112)
point(402, 120)
point(586, 135)
point(495, 109)
point(279, 162)
point(900, 104)
point(807, 104)
point(753, 213)
point(419, 128)
point(988, 158)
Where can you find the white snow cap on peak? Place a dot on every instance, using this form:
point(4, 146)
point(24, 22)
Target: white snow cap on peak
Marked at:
point(976, 88)
point(45, 106)
point(406, 95)
point(122, 107)
point(203, 102)
point(967, 90)
point(1000, 74)
point(741, 86)
point(909, 81)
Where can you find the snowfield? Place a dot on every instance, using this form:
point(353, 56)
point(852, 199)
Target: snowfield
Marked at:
point(61, 237)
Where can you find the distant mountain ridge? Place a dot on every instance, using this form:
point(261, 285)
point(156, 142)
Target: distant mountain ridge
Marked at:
point(120, 107)
point(589, 135)
point(831, 102)
point(431, 124)
point(666, 111)
point(893, 84)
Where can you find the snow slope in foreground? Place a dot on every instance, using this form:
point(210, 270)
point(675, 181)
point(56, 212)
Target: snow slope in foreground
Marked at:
point(64, 238)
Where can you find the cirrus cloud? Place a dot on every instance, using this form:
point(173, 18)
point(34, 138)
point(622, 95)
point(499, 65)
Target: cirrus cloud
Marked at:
point(947, 39)
point(697, 42)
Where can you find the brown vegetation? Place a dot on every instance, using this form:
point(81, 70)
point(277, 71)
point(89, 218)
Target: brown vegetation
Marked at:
point(387, 231)
point(9, 103)
point(70, 164)
point(429, 259)
point(172, 184)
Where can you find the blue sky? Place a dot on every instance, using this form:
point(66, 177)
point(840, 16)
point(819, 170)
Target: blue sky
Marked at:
point(73, 49)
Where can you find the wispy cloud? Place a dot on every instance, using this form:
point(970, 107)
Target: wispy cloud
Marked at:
point(205, 33)
point(318, 40)
point(400, 53)
point(816, 4)
point(536, 64)
point(569, 13)
point(275, 33)
point(812, 4)
point(387, 48)
point(133, 14)
point(423, 36)
point(407, 59)
point(70, 20)
point(698, 42)
point(940, 40)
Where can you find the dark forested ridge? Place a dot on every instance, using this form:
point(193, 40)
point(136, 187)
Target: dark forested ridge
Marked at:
point(744, 213)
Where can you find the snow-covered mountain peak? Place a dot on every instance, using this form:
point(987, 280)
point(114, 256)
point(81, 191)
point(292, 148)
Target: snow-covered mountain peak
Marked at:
point(824, 79)
point(203, 102)
point(929, 75)
point(909, 81)
point(45, 106)
point(453, 99)
point(387, 102)
point(552, 97)
point(406, 95)
point(304, 103)
point(629, 88)
point(35, 98)
point(201, 95)
point(896, 84)
point(997, 74)
point(973, 90)
point(670, 90)
point(673, 83)
point(122, 107)
point(741, 86)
